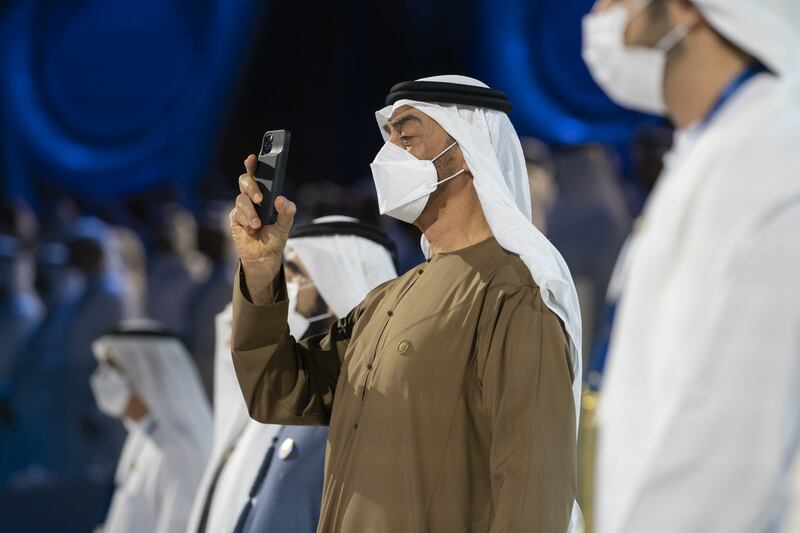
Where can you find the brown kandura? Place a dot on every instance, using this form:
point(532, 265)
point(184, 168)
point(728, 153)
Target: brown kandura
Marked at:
point(448, 392)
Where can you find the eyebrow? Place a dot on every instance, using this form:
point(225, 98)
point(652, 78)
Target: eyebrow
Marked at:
point(400, 122)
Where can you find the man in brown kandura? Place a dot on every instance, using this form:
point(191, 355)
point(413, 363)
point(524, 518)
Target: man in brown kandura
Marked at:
point(451, 391)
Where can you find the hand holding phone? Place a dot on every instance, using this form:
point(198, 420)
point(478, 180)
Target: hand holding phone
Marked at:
point(259, 228)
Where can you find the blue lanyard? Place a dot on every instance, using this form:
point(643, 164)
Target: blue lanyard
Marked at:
point(731, 89)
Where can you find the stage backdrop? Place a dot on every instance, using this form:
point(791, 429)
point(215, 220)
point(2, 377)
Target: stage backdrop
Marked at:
point(533, 51)
point(106, 97)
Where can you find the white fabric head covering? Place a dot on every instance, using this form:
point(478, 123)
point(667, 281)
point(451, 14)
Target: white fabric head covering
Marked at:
point(162, 374)
point(769, 30)
point(230, 411)
point(344, 268)
point(493, 153)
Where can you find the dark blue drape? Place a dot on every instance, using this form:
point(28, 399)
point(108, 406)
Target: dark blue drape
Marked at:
point(107, 97)
point(532, 50)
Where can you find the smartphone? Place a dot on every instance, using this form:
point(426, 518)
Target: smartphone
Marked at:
point(271, 172)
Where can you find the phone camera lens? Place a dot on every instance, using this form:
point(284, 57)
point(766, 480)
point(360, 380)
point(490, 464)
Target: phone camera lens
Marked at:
point(267, 146)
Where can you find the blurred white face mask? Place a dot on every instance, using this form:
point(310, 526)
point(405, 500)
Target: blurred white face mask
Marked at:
point(111, 390)
point(299, 324)
point(632, 76)
point(404, 183)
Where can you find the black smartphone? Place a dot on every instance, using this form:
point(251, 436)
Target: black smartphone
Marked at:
point(271, 172)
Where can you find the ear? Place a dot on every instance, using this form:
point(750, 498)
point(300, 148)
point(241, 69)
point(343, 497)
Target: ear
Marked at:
point(463, 162)
point(685, 12)
point(602, 5)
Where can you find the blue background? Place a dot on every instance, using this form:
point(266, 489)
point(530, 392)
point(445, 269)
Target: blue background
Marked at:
point(106, 98)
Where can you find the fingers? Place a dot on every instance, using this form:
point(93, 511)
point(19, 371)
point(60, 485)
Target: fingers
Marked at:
point(238, 225)
point(250, 164)
point(244, 215)
point(286, 211)
point(249, 187)
point(247, 212)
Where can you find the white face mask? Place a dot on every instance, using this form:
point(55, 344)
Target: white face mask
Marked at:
point(404, 183)
point(111, 390)
point(632, 76)
point(299, 324)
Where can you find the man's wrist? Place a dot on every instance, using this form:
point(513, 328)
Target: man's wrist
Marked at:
point(259, 278)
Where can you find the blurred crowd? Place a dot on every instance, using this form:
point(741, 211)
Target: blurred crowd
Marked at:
point(64, 286)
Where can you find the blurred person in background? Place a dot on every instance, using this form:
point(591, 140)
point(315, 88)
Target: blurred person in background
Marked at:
point(18, 219)
point(174, 266)
point(77, 440)
point(699, 408)
point(56, 280)
point(426, 383)
point(228, 424)
point(269, 477)
point(131, 259)
point(21, 312)
point(649, 146)
point(323, 198)
point(542, 180)
point(25, 444)
point(145, 379)
point(588, 224)
point(212, 294)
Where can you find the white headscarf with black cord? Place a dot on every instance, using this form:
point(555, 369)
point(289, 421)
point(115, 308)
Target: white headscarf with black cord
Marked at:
point(344, 268)
point(162, 373)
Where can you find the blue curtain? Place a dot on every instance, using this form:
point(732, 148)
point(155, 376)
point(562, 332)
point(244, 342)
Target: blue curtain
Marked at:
point(107, 97)
point(532, 50)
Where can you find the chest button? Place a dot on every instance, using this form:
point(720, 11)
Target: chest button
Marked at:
point(403, 346)
point(286, 448)
point(390, 313)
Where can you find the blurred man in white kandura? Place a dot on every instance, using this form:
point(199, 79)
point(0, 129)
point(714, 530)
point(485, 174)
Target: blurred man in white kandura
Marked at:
point(700, 407)
point(146, 378)
point(264, 477)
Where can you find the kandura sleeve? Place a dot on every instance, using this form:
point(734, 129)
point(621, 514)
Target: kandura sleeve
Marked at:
point(526, 383)
point(284, 381)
